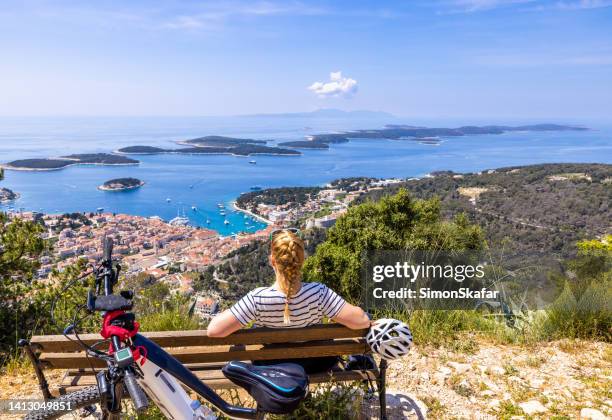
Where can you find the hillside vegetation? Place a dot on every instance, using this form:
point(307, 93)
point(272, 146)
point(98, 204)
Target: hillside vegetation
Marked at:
point(529, 209)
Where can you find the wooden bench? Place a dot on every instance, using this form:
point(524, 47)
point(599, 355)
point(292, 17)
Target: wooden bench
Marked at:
point(205, 356)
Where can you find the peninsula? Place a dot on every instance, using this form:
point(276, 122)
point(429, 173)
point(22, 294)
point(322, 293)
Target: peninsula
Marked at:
point(121, 184)
point(49, 164)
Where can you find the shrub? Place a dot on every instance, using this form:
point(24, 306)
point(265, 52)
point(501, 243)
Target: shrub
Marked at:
point(171, 315)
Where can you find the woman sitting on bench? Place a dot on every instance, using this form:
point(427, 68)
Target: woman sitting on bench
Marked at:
point(289, 303)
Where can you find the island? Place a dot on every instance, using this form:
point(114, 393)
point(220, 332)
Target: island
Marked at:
point(121, 184)
point(305, 144)
point(7, 195)
point(49, 164)
point(214, 145)
point(219, 141)
point(246, 147)
point(431, 135)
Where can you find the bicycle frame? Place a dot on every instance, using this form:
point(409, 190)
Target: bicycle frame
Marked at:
point(156, 371)
point(162, 376)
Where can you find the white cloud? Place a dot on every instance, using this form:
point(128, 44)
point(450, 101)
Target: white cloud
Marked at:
point(338, 85)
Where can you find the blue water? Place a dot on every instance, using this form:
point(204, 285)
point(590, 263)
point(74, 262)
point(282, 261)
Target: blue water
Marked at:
point(220, 179)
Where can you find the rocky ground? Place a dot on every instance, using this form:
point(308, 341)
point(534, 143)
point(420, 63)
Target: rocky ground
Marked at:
point(562, 380)
point(473, 380)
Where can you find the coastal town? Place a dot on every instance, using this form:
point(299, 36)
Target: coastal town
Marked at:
point(175, 253)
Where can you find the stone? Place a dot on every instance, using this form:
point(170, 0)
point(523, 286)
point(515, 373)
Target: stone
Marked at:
point(459, 367)
point(445, 371)
point(532, 407)
point(494, 404)
point(496, 370)
point(592, 414)
point(536, 382)
point(490, 384)
point(439, 378)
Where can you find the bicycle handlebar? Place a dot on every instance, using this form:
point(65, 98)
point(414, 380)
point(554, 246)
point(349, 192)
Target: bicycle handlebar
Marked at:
point(129, 379)
point(108, 249)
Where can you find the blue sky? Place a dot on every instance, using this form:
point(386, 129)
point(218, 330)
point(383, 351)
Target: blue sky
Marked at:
point(437, 58)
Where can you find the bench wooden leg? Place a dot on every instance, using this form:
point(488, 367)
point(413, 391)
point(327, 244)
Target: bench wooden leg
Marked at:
point(382, 390)
point(42, 381)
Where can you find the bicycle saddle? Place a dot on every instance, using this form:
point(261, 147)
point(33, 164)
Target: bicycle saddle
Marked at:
point(277, 389)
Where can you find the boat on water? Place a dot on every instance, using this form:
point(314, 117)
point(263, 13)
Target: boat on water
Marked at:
point(253, 162)
point(179, 221)
point(222, 213)
point(168, 200)
point(221, 205)
point(226, 222)
point(208, 221)
point(194, 208)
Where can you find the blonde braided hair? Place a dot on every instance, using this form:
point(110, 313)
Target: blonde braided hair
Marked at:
point(288, 253)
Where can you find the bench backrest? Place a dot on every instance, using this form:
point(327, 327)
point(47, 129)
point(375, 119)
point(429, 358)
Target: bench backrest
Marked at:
point(195, 347)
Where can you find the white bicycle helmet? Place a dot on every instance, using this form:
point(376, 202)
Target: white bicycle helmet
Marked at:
point(389, 338)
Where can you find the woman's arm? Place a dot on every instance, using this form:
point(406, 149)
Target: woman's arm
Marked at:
point(223, 324)
point(353, 317)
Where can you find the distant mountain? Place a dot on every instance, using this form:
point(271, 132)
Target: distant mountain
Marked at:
point(330, 113)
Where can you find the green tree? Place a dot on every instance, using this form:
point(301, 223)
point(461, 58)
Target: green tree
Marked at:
point(20, 249)
point(396, 222)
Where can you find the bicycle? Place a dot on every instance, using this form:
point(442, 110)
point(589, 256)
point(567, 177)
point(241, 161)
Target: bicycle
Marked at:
point(145, 370)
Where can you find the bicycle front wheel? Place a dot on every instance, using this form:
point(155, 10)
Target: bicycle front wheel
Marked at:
point(74, 400)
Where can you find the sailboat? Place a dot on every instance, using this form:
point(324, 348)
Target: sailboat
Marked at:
point(179, 220)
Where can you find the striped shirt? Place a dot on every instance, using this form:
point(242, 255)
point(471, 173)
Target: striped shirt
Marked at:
point(266, 306)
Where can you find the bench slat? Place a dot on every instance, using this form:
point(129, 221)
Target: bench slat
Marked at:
point(225, 353)
point(216, 380)
point(191, 366)
point(59, 343)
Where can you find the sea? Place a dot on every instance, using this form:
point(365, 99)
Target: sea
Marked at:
point(194, 186)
